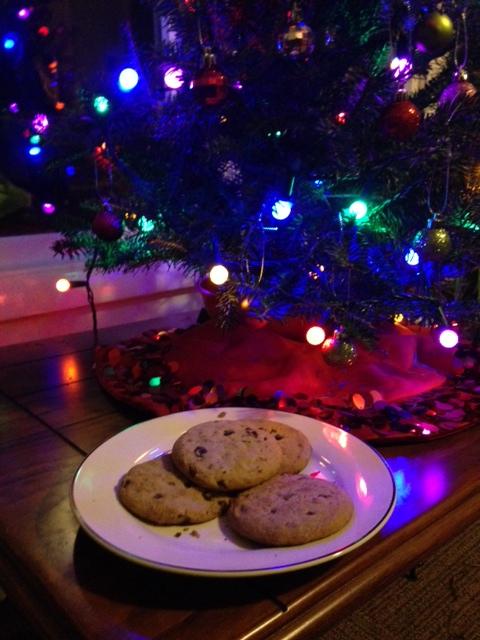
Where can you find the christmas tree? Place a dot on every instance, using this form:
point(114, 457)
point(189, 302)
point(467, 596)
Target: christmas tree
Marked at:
point(311, 163)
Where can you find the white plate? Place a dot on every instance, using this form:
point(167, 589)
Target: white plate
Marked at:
point(214, 550)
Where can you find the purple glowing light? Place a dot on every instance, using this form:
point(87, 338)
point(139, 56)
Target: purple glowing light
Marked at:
point(174, 78)
point(24, 13)
point(48, 208)
point(40, 123)
point(400, 67)
point(13, 107)
point(448, 338)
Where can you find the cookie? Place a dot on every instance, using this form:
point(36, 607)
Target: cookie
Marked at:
point(290, 510)
point(227, 454)
point(296, 448)
point(156, 492)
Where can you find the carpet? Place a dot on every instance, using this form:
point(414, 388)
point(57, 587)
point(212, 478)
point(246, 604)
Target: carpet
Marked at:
point(439, 600)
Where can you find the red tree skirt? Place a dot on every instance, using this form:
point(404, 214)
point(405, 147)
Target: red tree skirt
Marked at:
point(408, 389)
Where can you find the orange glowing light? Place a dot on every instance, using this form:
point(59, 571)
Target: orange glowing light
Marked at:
point(69, 370)
point(59, 106)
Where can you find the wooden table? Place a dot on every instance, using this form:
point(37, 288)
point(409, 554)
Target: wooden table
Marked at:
point(52, 414)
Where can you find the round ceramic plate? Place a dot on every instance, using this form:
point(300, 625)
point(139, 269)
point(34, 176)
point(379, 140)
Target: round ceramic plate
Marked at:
point(211, 549)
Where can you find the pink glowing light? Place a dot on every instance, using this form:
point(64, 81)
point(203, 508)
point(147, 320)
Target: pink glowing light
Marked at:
point(448, 338)
point(40, 123)
point(24, 13)
point(13, 107)
point(48, 208)
point(173, 78)
point(400, 67)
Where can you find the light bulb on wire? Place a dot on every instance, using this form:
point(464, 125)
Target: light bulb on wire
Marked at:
point(282, 209)
point(128, 79)
point(101, 104)
point(174, 78)
point(218, 274)
point(9, 42)
point(315, 335)
point(358, 209)
point(448, 338)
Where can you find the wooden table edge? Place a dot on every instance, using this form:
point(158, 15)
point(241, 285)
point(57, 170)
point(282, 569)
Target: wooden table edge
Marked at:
point(384, 561)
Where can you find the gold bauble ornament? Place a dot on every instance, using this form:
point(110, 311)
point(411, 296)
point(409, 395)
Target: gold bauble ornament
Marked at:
point(339, 352)
point(433, 244)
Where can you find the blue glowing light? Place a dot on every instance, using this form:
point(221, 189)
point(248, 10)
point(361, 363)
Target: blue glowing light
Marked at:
point(128, 79)
point(34, 151)
point(70, 171)
point(9, 42)
point(282, 209)
point(412, 258)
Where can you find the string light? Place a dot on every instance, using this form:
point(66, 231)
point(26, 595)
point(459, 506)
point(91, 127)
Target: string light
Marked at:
point(128, 79)
point(358, 209)
point(400, 67)
point(9, 42)
point(101, 104)
point(448, 338)
point(174, 78)
point(218, 274)
point(34, 151)
point(412, 258)
point(48, 208)
point(24, 13)
point(282, 209)
point(40, 123)
point(315, 335)
point(64, 284)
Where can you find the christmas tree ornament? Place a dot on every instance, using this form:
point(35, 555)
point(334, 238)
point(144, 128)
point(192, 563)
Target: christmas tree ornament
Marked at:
point(400, 120)
point(459, 90)
point(339, 352)
point(210, 86)
point(297, 42)
point(433, 244)
point(107, 226)
point(434, 34)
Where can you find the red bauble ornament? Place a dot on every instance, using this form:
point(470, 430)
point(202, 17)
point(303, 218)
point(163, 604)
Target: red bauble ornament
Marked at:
point(458, 91)
point(107, 226)
point(400, 121)
point(210, 85)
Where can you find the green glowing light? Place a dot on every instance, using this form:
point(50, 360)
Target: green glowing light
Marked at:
point(101, 104)
point(35, 139)
point(145, 225)
point(359, 209)
point(155, 381)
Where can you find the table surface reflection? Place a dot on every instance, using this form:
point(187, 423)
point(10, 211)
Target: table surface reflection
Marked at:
point(53, 414)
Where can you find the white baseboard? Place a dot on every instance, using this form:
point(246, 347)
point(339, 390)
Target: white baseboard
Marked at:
point(31, 308)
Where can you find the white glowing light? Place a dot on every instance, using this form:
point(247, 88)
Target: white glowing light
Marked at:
point(412, 258)
point(173, 78)
point(315, 335)
point(218, 274)
point(282, 209)
point(448, 338)
point(62, 285)
point(128, 79)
